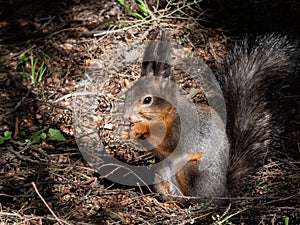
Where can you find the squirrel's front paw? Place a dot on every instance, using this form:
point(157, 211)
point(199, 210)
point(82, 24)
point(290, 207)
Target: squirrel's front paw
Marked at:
point(140, 130)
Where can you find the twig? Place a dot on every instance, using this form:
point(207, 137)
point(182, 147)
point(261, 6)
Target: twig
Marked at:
point(152, 19)
point(41, 197)
point(75, 94)
point(10, 214)
point(123, 167)
point(28, 217)
point(223, 221)
point(21, 157)
point(16, 132)
point(283, 199)
point(190, 221)
point(106, 32)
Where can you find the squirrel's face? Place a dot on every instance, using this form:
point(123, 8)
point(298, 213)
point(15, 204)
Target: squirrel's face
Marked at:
point(145, 100)
point(148, 108)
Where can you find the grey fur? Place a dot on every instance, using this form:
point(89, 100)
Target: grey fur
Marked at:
point(228, 154)
point(251, 76)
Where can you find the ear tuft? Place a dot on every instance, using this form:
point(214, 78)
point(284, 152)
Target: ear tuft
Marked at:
point(156, 61)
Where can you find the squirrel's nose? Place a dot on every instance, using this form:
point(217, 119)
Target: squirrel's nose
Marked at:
point(126, 116)
point(131, 117)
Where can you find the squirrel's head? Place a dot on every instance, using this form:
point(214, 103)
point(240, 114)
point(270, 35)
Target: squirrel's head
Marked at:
point(154, 93)
point(149, 99)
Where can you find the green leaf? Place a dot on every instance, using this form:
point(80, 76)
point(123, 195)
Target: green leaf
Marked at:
point(286, 220)
point(149, 161)
point(41, 72)
point(36, 136)
point(22, 133)
point(55, 135)
point(1, 140)
point(142, 6)
point(122, 97)
point(23, 57)
point(136, 15)
point(7, 135)
point(43, 136)
point(121, 2)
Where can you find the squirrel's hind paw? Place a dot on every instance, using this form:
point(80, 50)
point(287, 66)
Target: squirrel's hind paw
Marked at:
point(195, 156)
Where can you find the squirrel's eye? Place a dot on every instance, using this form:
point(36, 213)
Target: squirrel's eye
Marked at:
point(147, 100)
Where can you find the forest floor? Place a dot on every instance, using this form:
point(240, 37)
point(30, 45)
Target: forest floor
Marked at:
point(44, 178)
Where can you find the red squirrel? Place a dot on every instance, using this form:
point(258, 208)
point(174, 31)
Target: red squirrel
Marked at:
point(234, 149)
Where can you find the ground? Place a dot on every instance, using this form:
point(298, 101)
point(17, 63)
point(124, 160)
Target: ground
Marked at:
point(47, 181)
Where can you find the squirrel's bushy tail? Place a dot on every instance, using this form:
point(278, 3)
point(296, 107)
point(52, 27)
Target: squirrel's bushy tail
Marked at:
point(251, 76)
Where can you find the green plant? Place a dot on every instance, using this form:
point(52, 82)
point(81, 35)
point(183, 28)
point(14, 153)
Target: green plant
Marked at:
point(6, 136)
point(181, 40)
point(37, 67)
point(286, 220)
point(144, 10)
point(218, 220)
point(53, 135)
point(40, 135)
point(143, 7)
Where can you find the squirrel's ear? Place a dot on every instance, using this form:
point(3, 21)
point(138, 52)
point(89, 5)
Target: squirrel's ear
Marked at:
point(157, 69)
point(156, 61)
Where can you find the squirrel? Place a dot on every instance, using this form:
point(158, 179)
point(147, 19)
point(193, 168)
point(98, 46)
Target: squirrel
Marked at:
point(202, 158)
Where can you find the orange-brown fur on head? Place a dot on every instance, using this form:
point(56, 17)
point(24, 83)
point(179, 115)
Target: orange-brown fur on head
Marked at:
point(156, 123)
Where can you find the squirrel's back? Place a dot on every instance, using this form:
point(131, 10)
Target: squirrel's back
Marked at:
point(251, 78)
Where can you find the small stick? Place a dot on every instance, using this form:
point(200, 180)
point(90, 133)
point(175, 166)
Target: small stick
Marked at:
point(75, 95)
point(41, 197)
